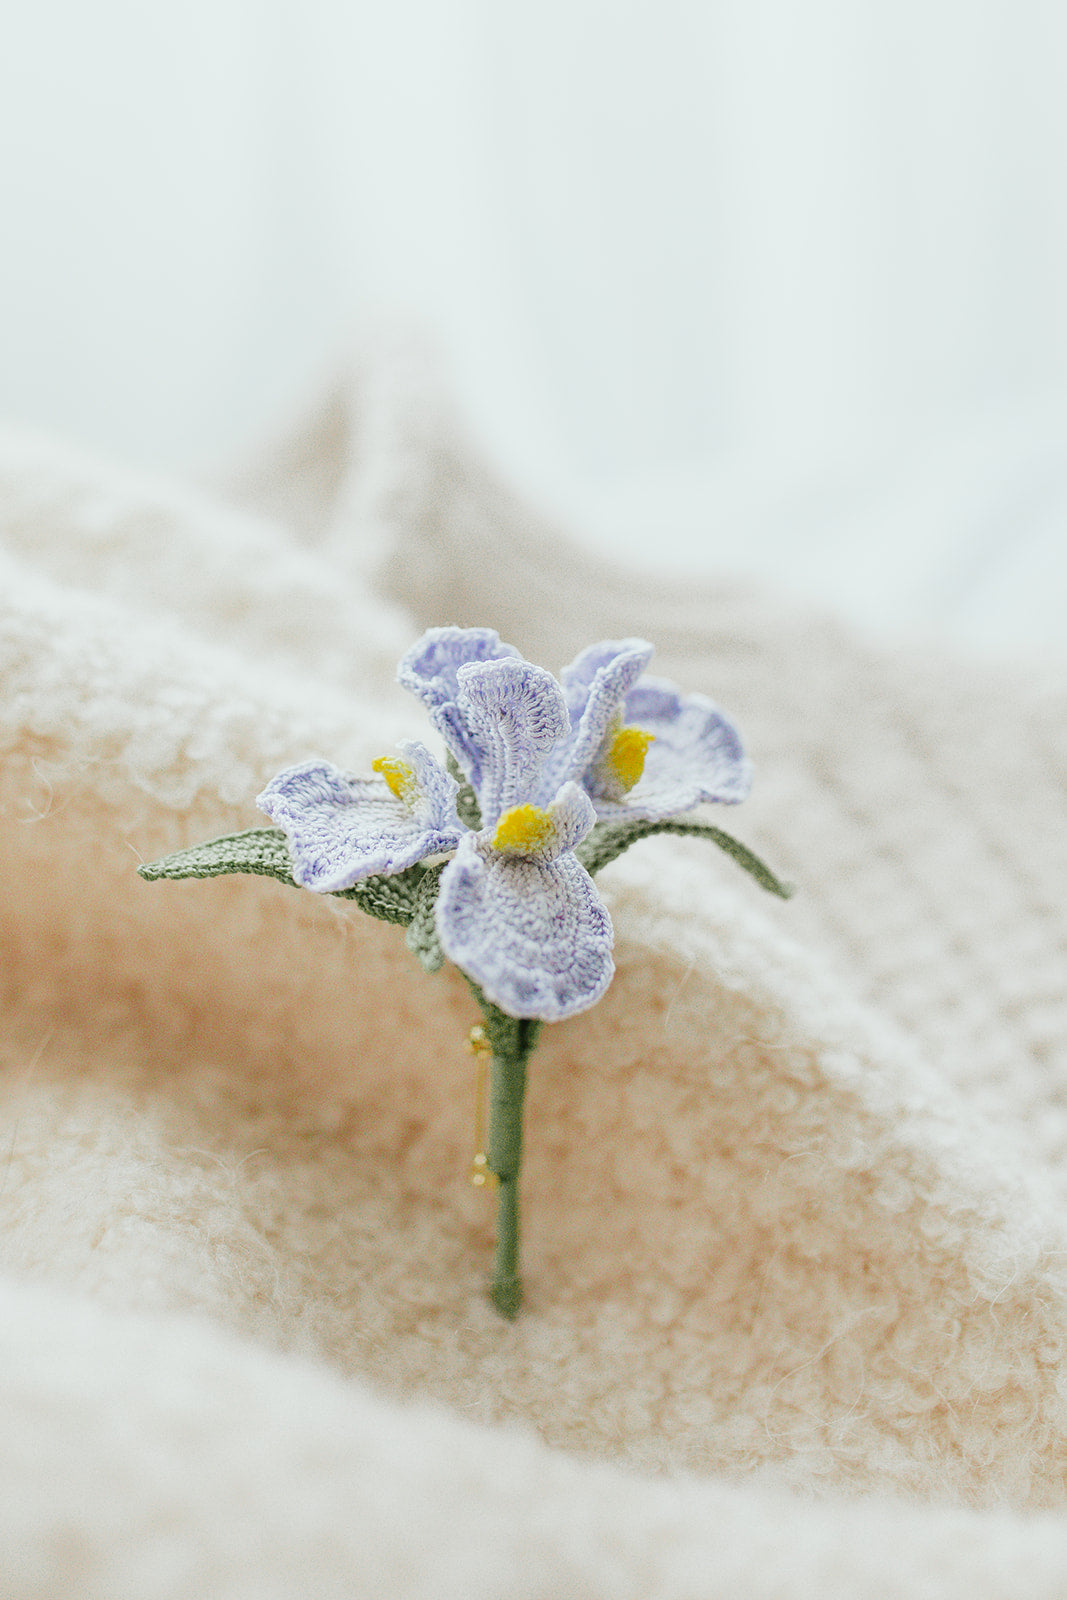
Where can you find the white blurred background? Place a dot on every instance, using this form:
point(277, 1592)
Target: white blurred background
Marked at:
point(744, 285)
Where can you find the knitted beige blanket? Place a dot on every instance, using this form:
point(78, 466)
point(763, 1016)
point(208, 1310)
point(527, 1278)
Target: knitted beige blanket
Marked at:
point(795, 1198)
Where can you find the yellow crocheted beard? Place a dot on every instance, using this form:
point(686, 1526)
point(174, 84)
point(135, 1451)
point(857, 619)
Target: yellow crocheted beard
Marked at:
point(625, 756)
point(399, 777)
point(524, 831)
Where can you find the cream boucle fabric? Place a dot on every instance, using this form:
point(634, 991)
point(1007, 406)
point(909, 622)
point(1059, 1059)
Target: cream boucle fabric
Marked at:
point(796, 1212)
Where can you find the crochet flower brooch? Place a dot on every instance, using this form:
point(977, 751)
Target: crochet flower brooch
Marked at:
point(488, 859)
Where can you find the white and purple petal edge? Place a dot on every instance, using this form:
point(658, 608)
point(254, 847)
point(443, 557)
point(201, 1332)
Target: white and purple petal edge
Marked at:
point(577, 678)
point(342, 829)
point(430, 671)
point(535, 936)
point(573, 816)
point(435, 806)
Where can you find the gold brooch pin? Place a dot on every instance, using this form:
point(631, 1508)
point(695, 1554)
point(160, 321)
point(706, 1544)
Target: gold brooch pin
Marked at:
point(480, 1048)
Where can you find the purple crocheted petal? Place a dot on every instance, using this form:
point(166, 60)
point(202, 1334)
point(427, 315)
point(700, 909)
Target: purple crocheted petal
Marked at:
point(517, 716)
point(604, 674)
point(536, 937)
point(341, 829)
point(430, 671)
point(434, 802)
point(695, 756)
point(573, 815)
point(653, 700)
point(577, 679)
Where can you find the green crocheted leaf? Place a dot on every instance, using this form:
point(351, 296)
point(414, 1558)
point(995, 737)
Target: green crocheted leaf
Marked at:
point(265, 851)
point(260, 850)
point(467, 808)
point(610, 839)
point(421, 937)
point(390, 899)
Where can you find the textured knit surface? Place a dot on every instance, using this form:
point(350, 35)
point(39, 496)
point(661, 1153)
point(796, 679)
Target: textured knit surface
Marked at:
point(795, 1197)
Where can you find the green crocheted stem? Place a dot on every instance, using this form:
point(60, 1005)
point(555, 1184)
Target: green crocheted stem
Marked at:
point(507, 1089)
point(512, 1040)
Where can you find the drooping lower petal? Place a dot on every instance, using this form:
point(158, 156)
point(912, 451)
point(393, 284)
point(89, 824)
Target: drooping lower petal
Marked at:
point(535, 936)
point(342, 829)
point(694, 755)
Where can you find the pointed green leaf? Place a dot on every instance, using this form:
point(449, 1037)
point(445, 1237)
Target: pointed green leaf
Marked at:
point(265, 851)
point(261, 850)
point(610, 839)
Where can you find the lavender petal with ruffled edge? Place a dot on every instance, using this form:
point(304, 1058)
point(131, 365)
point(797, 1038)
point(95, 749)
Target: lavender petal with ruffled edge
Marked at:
point(596, 685)
point(342, 829)
point(516, 719)
point(696, 756)
point(430, 670)
point(529, 928)
point(599, 664)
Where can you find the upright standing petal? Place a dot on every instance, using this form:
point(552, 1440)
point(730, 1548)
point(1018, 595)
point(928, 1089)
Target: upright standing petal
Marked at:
point(577, 679)
point(430, 670)
point(517, 716)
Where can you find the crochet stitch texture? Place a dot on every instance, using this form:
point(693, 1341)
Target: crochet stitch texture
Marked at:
point(516, 909)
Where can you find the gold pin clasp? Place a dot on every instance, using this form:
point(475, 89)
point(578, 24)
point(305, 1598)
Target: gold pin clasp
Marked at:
point(480, 1048)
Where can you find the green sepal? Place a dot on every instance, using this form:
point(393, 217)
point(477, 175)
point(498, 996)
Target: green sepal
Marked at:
point(421, 937)
point(467, 808)
point(609, 839)
point(510, 1038)
point(265, 852)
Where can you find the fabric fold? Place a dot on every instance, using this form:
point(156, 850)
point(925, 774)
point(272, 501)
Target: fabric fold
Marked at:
point(794, 1206)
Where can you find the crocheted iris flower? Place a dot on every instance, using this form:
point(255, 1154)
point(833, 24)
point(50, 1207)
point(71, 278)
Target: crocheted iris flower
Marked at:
point(516, 909)
point(489, 858)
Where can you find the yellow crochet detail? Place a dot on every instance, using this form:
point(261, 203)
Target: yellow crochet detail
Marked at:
point(399, 776)
point(625, 756)
point(524, 830)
